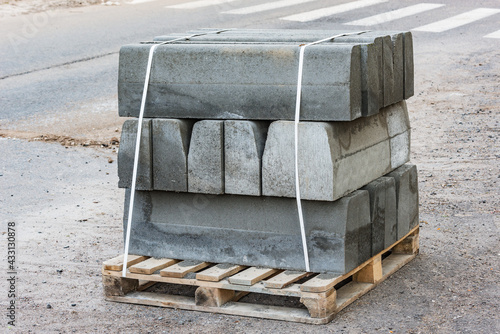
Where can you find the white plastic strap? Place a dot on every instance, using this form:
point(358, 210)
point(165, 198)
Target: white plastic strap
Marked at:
point(297, 119)
point(138, 140)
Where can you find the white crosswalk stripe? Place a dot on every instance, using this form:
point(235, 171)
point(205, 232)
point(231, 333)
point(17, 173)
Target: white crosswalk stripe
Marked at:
point(395, 14)
point(266, 6)
point(136, 2)
point(495, 34)
point(329, 11)
point(199, 4)
point(458, 20)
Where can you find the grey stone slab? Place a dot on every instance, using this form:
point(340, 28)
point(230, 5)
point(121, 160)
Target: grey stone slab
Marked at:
point(170, 151)
point(334, 158)
point(206, 158)
point(126, 155)
point(241, 81)
point(400, 149)
point(409, 78)
point(371, 54)
point(243, 147)
point(383, 213)
point(400, 40)
point(406, 197)
point(398, 67)
point(398, 126)
point(249, 230)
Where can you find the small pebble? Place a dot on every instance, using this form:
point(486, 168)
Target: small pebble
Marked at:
point(49, 306)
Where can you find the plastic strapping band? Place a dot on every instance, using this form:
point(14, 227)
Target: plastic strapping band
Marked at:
point(138, 139)
point(297, 119)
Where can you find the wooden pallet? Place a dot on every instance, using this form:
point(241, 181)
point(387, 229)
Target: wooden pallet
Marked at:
point(221, 286)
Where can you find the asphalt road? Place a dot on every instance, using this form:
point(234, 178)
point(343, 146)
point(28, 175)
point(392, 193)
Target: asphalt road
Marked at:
point(56, 61)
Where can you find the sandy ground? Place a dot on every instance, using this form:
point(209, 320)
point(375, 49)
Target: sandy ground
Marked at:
point(68, 210)
point(20, 7)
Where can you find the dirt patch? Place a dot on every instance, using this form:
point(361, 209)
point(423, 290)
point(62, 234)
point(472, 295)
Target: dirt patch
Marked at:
point(19, 7)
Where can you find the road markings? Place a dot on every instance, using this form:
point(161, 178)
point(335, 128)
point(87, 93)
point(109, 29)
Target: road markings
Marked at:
point(395, 14)
point(495, 34)
point(136, 2)
point(266, 6)
point(199, 4)
point(459, 20)
point(329, 11)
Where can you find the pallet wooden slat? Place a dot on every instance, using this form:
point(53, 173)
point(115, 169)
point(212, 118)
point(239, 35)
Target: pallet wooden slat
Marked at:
point(151, 265)
point(116, 263)
point(183, 268)
point(218, 272)
point(285, 279)
point(251, 275)
point(321, 283)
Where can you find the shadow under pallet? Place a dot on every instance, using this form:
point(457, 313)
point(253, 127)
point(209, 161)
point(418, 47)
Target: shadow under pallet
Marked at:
point(222, 288)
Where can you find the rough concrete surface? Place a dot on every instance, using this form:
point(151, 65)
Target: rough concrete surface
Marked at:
point(126, 156)
point(257, 88)
point(170, 139)
point(206, 158)
point(251, 230)
point(243, 147)
point(334, 158)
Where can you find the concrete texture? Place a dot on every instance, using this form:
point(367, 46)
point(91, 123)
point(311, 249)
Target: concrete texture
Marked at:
point(242, 81)
point(406, 197)
point(396, 54)
point(243, 147)
point(371, 54)
point(250, 230)
point(398, 126)
point(383, 213)
point(170, 150)
point(409, 79)
point(127, 152)
point(206, 158)
point(334, 158)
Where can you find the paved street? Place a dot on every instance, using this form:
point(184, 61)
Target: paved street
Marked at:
point(61, 60)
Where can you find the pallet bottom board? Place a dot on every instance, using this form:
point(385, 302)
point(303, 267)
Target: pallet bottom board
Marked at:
point(231, 308)
point(322, 295)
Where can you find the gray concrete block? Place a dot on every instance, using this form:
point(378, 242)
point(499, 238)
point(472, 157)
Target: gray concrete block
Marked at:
point(249, 230)
point(243, 147)
point(398, 126)
point(406, 178)
point(371, 54)
point(399, 66)
point(409, 79)
point(206, 158)
point(400, 149)
point(170, 150)
point(241, 81)
point(334, 158)
point(383, 213)
point(126, 155)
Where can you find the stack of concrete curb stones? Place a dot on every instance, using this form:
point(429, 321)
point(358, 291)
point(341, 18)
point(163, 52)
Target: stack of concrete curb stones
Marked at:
point(216, 175)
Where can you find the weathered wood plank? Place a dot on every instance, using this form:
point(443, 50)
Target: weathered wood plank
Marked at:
point(251, 275)
point(116, 263)
point(182, 268)
point(285, 279)
point(218, 272)
point(151, 265)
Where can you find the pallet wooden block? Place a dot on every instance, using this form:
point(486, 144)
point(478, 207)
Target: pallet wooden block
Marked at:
point(220, 287)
